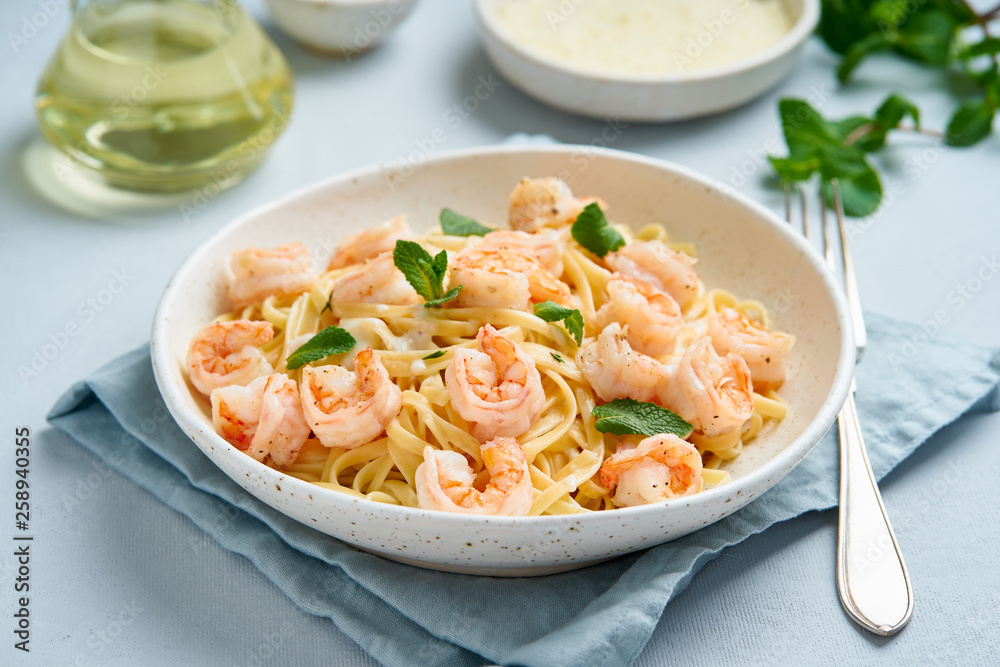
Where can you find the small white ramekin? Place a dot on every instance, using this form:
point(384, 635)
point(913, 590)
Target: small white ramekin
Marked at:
point(645, 98)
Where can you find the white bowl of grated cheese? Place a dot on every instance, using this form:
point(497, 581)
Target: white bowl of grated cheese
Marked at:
point(645, 60)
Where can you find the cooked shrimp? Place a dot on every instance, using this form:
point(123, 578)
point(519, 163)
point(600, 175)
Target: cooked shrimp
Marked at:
point(376, 281)
point(445, 481)
point(264, 417)
point(370, 243)
point(257, 273)
point(712, 392)
point(503, 278)
point(653, 317)
point(659, 468)
point(348, 409)
point(536, 203)
point(228, 353)
point(763, 350)
point(661, 267)
point(545, 246)
point(615, 370)
point(497, 388)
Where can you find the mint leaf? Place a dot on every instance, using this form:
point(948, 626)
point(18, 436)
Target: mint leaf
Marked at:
point(887, 117)
point(844, 22)
point(927, 37)
point(970, 124)
point(424, 273)
point(858, 51)
point(849, 130)
point(836, 149)
point(435, 355)
point(328, 342)
point(557, 357)
point(455, 224)
point(437, 303)
point(988, 47)
point(841, 161)
point(794, 169)
point(416, 264)
point(860, 193)
point(550, 311)
point(803, 127)
point(592, 231)
point(627, 416)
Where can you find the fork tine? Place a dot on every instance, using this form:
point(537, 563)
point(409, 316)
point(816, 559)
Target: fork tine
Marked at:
point(788, 203)
point(850, 280)
point(808, 229)
point(829, 240)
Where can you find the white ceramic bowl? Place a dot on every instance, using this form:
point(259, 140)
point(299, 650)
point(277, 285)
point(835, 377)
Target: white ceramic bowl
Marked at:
point(649, 98)
point(741, 246)
point(339, 27)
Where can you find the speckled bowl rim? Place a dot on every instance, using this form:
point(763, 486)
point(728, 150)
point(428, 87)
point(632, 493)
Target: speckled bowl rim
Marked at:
point(760, 479)
point(799, 33)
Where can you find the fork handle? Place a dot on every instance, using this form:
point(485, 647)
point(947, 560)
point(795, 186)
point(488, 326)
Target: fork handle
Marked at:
point(872, 580)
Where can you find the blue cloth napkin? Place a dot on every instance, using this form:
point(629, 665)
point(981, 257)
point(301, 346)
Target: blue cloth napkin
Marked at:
point(600, 615)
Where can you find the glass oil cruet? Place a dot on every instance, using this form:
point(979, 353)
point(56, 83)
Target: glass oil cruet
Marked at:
point(165, 95)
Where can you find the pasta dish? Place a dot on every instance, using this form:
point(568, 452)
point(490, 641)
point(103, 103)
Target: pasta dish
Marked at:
point(563, 365)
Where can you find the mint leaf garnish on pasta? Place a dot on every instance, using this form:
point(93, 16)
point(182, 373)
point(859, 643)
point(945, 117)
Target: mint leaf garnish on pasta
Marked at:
point(328, 342)
point(550, 311)
point(627, 416)
point(445, 298)
point(424, 273)
point(592, 231)
point(456, 224)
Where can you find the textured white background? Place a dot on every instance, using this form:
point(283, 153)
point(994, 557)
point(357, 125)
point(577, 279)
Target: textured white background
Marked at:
point(770, 600)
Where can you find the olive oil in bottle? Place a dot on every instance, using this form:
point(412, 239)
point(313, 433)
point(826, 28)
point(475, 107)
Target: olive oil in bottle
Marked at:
point(165, 95)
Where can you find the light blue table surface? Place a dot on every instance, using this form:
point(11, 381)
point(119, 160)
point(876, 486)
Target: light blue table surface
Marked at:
point(119, 579)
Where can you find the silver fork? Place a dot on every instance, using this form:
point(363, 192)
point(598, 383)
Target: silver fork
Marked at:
point(872, 580)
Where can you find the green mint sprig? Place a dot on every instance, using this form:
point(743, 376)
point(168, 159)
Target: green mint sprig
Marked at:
point(550, 311)
point(627, 416)
point(456, 224)
point(837, 149)
point(933, 33)
point(328, 342)
point(424, 273)
point(592, 231)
